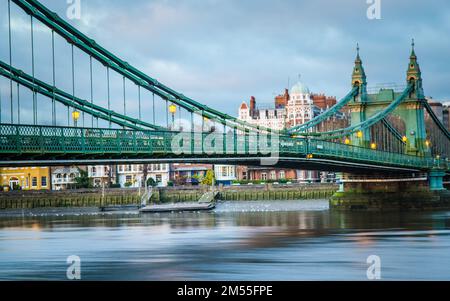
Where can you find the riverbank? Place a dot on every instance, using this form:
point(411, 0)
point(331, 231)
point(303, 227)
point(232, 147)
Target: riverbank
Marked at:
point(97, 197)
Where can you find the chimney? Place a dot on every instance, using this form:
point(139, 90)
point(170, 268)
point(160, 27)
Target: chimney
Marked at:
point(252, 104)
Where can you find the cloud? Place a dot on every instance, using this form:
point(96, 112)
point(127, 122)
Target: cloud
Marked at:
point(223, 51)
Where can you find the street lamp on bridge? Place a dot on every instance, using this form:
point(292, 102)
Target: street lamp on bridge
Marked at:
point(75, 117)
point(173, 111)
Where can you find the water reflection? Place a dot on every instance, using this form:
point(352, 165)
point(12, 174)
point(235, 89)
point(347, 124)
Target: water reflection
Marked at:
point(287, 240)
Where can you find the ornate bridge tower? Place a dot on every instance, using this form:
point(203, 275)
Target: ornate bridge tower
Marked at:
point(359, 103)
point(409, 114)
point(411, 111)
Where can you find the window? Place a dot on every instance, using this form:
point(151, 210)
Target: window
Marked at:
point(282, 175)
point(34, 182)
point(264, 176)
point(158, 178)
point(273, 175)
point(44, 181)
point(128, 179)
point(224, 171)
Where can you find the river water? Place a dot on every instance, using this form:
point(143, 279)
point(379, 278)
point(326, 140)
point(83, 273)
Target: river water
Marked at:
point(276, 240)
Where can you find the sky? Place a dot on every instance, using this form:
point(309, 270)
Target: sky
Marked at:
point(221, 52)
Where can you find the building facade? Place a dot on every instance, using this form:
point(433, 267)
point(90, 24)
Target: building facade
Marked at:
point(294, 107)
point(64, 177)
point(25, 178)
point(446, 115)
point(130, 175)
point(225, 174)
point(102, 175)
point(160, 173)
point(188, 174)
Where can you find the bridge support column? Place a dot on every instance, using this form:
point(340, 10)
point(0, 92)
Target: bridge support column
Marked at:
point(384, 192)
point(436, 180)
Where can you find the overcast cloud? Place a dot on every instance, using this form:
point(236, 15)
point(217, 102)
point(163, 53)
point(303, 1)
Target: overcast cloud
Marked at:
point(221, 52)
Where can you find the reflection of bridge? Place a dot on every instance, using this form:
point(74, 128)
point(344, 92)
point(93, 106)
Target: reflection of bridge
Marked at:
point(388, 132)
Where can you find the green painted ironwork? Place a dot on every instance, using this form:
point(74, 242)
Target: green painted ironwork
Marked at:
point(339, 133)
point(74, 36)
point(19, 74)
point(30, 140)
point(329, 113)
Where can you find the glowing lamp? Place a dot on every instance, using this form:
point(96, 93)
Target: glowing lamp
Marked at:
point(359, 134)
point(172, 109)
point(75, 115)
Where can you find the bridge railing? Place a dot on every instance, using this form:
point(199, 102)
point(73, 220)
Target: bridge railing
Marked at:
point(42, 140)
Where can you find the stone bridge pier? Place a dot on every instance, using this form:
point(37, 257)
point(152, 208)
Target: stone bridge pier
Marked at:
point(419, 191)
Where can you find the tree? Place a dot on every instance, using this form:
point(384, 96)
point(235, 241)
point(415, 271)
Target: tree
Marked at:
point(208, 179)
point(151, 182)
point(83, 181)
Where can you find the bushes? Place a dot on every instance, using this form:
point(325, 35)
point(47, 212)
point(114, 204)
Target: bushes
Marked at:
point(259, 182)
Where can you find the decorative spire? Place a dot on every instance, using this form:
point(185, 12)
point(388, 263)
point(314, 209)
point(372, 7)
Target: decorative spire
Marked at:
point(358, 58)
point(414, 75)
point(413, 52)
point(358, 76)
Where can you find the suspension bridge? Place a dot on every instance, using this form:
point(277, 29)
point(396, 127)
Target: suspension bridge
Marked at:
point(46, 120)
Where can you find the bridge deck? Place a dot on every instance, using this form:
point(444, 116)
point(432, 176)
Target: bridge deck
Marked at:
point(46, 145)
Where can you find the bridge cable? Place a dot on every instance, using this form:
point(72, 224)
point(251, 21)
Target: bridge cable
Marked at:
point(368, 122)
point(139, 100)
point(330, 112)
point(54, 79)
point(10, 58)
point(33, 72)
point(154, 115)
point(119, 68)
point(109, 93)
point(53, 20)
point(18, 103)
point(92, 87)
point(73, 84)
point(65, 101)
point(124, 98)
point(20, 74)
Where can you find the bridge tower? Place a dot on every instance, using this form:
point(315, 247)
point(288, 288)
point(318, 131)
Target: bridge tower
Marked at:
point(411, 111)
point(359, 102)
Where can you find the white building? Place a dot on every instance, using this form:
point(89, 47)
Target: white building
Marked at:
point(270, 118)
point(64, 177)
point(300, 108)
point(225, 174)
point(160, 173)
point(130, 175)
point(300, 105)
point(101, 175)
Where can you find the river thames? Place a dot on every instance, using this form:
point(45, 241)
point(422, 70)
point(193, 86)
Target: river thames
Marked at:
point(270, 240)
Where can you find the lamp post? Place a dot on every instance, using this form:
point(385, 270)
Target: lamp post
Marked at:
point(75, 117)
point(173, 111)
